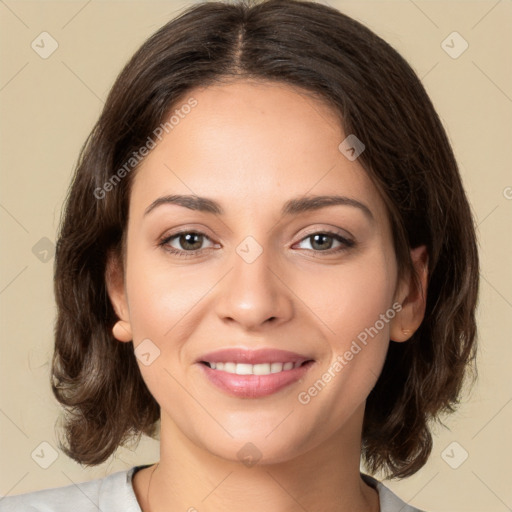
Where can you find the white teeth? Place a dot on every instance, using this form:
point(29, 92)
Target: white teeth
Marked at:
point(242, 369)
point(230, 367)
point(276, 367)
point(254, 369)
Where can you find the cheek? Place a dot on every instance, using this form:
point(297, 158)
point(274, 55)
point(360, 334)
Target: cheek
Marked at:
point(350, 298)
point(354, 305)
point(165, 301)
point(161, 303)
point(160, 296)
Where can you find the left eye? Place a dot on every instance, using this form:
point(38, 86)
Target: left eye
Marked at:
point(190, 241)
point(323, 241)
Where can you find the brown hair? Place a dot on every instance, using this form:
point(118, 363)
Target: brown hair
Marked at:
point(408, 156)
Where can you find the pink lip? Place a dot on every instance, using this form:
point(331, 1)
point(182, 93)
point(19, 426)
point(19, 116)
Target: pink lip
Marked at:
point(263, 355)
point(254, 386)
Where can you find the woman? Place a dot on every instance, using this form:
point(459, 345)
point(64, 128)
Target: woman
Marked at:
point(267, 251)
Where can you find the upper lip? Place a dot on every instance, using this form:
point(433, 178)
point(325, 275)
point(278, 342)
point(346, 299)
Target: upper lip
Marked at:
point(242, 355)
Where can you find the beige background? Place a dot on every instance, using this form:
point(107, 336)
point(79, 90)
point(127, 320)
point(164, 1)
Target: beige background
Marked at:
point(49, 106)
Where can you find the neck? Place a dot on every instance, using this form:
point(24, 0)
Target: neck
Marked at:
point(325, 478)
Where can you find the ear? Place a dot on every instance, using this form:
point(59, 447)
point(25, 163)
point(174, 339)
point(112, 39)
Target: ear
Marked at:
point(114, 279)
point(413, 299)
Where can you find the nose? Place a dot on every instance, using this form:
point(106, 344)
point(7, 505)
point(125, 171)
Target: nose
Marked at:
point(255, 294)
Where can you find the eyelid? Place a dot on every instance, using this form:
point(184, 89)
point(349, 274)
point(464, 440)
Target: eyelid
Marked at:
point(189, 228)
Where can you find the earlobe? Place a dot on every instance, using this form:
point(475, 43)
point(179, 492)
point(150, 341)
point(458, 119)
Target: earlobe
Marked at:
point(122, 331)
point(114, 281)
point(412, 296)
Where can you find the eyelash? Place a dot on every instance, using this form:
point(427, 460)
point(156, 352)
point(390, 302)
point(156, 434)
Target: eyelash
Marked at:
point(346, 243)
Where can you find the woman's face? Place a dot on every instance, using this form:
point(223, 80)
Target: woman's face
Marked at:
point(256, 277)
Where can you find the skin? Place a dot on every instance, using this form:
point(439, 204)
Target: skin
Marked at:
point(251, 146)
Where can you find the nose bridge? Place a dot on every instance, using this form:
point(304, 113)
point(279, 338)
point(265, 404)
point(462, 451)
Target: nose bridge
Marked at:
point(254, 291)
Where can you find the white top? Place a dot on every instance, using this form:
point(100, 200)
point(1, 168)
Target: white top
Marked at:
point(114, 493)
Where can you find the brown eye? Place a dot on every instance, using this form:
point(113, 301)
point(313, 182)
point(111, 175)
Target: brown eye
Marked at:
point(323, 242)
point(190, 241)
point(186, 243)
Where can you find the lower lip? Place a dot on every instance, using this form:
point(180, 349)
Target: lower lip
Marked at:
point(254, 386)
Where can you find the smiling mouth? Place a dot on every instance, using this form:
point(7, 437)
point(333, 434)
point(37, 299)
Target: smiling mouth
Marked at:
point(243, 380)
point(254, 369)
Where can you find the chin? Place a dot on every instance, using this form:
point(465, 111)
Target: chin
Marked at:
point(257, 449)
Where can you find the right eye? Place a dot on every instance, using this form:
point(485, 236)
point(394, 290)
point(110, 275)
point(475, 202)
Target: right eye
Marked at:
point(190, 242)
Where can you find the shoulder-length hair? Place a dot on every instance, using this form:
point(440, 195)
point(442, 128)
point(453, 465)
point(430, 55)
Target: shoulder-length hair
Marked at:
point(378, 97)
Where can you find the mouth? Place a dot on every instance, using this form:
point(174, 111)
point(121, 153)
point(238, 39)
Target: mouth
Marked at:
point(243, 373)
point(266, 368)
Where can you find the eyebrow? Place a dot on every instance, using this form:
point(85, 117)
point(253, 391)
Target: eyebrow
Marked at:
point(291, 207)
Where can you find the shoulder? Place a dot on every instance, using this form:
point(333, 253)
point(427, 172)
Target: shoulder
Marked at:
point(389, 501)
point(113, 493)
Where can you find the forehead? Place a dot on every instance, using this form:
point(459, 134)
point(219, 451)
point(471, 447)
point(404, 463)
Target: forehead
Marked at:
point(251, 146)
